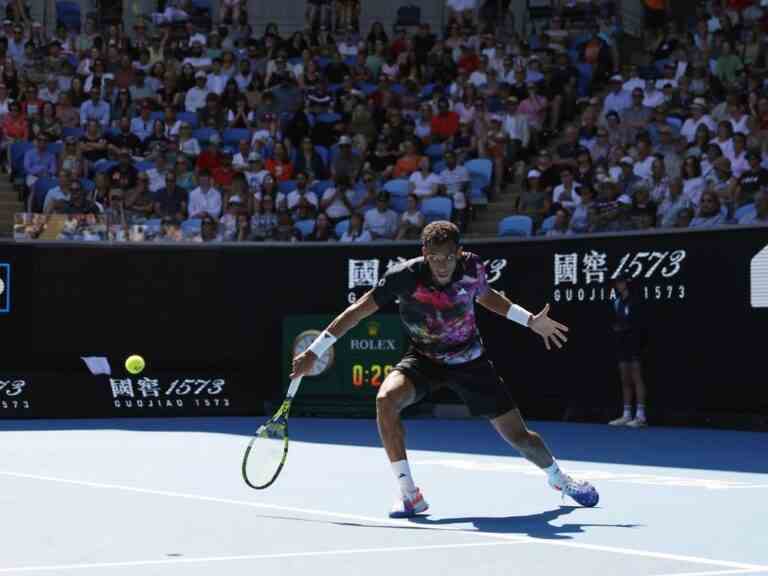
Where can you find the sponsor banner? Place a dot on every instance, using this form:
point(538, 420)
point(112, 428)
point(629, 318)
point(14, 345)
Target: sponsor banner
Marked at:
point(200, 313)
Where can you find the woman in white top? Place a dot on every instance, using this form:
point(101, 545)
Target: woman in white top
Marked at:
point(725, 139)
point(188, 144)
point(411, 221)
point(424, 182)
point(693, 182)
point(355, 232)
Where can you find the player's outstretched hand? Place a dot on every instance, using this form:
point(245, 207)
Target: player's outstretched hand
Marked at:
point(303, 363)
point(549, 329)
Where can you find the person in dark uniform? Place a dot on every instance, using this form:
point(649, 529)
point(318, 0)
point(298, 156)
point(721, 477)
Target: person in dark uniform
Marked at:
point(631, 337)
point(437, 294)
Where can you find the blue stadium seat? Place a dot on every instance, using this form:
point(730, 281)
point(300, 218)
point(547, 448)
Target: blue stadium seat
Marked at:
point(324, 154)
point(56, 148)
point(18, 150)
point(367, 88)
point(144, 165)
point(68, 15)
point(203, 135)
point(435, 152)
point(105, 166)
point(321, 186)
point(398, 89)
point(744, 211)
point(74, 132)
point(547, 225)
point(232, 136)
point(188, 117)
point(306, 227)
point(191, 227)
point(399, 203)
point(342, 227)
point(328, 118)
point(287, 186)
point(397, 187)
point(88, 185)
point(437, 208)
point(516, 226)
point(480, 174)
point(40, 191)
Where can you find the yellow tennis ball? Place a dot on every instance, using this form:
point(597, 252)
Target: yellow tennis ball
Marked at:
point(134, 364)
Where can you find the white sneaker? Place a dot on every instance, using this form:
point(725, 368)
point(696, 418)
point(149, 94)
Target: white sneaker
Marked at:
point(637, 423)
point(623, 421)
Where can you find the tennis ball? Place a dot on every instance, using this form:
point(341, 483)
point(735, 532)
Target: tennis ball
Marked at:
point(134, 364)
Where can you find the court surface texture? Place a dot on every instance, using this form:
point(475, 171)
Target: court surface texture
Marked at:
point(165, 497)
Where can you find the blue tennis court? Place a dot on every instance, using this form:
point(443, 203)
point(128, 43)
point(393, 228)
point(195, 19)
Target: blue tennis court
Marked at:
point(165, 497)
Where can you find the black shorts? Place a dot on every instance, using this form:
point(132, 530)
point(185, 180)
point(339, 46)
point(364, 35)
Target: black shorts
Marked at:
point(629, 346)
point(478, 385)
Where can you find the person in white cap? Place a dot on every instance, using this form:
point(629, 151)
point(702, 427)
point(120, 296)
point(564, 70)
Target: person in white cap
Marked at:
point(698, 116)
point(617, 99)
point(197, 95)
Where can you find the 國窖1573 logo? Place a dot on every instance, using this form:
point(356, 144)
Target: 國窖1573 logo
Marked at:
point(5, 288)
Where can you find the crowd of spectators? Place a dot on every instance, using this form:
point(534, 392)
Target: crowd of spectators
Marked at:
point(337, 134)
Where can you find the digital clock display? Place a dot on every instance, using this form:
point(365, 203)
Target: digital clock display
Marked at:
point(369, 374)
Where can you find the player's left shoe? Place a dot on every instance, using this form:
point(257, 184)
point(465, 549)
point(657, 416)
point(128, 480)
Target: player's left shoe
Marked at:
point(407, 507)
point(580, 490)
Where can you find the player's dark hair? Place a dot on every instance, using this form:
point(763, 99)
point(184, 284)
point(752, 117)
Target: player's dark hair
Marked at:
point(439, 233)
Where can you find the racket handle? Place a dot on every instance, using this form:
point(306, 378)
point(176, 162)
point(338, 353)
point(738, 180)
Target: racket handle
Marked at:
point(294, 387)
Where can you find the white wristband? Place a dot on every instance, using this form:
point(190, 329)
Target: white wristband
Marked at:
point(322, 343)
point(518, 314)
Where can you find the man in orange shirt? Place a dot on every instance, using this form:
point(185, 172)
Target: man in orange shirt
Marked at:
point(446, 123)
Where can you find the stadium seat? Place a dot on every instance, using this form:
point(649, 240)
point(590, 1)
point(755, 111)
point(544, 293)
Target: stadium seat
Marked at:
point(286, 186)
point(88, 185)
point(547, 225)
point(743, 211)
point(437, 208)
point(40, 191)
point(105, 166)
point(328, 118)
point(191, 227)
point(342, 227)
point(18, 150)
point(188, 117)
point(324, 154)
point(156, 115)
point(203, 135)
point(74, 132)
point(399, 204)
point(321, 186)
point(435, 152)
point(367, 88)
point(516, 226)
point(480, 174)
point(68, 15)
point(232, 136)
point(397, 187)
point(56, 148)
point(144, 165)
point(306, 227)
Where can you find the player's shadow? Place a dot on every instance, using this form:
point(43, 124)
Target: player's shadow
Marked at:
point(532, 525)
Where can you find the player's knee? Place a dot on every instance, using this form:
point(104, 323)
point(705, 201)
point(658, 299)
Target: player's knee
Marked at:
point(387, 403)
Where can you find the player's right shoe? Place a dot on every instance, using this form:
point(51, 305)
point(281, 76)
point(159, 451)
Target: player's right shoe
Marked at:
point(580, 490)
point(409, 506)
point(623, 421)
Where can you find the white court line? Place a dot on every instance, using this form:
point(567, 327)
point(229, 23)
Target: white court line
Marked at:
point(164, 562)
point(715, 573)
point(394, 523)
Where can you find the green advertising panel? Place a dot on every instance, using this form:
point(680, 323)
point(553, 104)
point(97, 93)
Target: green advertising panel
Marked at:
point(351, 373)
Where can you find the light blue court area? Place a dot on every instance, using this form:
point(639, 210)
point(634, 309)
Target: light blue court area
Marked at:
point(165, 497)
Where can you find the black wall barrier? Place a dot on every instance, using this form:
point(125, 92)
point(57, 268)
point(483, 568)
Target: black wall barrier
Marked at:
point(209, 321)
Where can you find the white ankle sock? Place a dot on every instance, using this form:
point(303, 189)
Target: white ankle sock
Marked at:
point(554, 474)
point(640, 414)
point(627, 411)
point(403, 474)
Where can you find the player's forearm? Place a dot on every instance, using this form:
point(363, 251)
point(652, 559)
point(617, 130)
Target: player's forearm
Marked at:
point(503, 306)
point(353, 315)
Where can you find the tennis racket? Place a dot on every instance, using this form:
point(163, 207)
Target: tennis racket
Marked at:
point(266, 452)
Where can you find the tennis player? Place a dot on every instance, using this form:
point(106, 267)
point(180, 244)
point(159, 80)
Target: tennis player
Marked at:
point(437, 293)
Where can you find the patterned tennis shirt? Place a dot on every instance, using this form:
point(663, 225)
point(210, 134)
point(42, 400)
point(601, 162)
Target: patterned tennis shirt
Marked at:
point(440, 320)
